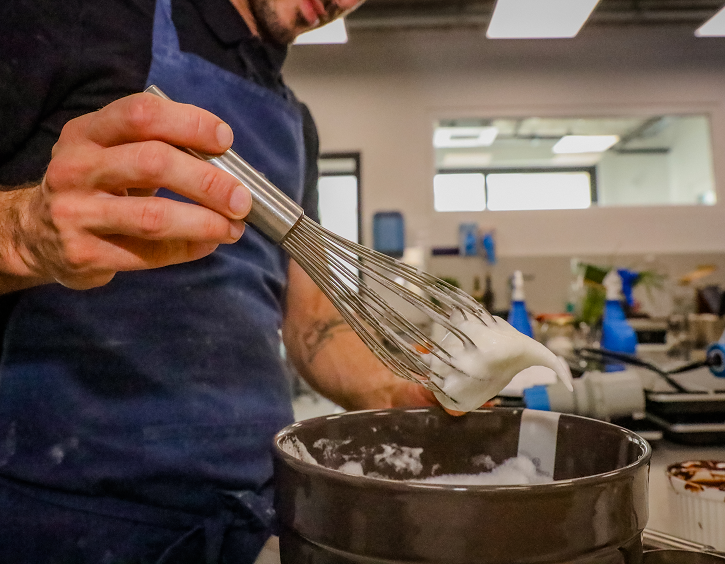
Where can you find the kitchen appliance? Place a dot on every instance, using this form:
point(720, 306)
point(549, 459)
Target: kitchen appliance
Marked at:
point(594, 511)
point(685, 402)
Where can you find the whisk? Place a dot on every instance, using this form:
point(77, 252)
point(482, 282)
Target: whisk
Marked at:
point(333, 263)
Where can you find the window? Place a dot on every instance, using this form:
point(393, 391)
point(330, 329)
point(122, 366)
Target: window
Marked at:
point(339, 192)
point(459, 192)
point(573, 162)
point(339, 197)
point(504, 190)
point(539, 190)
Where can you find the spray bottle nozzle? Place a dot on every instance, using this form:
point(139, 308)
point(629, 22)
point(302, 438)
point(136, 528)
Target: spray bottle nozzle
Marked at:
point(629, 279)
point(517, 286)
point(613, 285)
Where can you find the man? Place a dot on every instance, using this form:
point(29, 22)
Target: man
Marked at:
point(141, 379)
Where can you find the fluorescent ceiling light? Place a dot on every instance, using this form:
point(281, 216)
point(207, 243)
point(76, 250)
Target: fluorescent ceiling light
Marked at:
point(538, 19)
point(714, 27)
point(453, 137)
point(584, 143)
point(334, 32)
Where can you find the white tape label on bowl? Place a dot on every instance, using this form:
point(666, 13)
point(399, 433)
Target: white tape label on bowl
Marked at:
point(537, 439)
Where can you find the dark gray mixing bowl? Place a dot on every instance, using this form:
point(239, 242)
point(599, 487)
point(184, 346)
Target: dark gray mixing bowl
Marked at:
point(594, 511)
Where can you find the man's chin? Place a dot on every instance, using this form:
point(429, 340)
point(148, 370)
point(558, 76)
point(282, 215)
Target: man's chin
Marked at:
point(269, 25)
point(280, 35)
point(286, 34)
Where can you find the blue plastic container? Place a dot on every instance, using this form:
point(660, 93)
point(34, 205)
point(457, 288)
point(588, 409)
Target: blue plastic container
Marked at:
point(519, 318)
point(617, 334)
point(389, 233)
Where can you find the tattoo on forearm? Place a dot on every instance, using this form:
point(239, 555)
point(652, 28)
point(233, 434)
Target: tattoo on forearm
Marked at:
point(321, 333)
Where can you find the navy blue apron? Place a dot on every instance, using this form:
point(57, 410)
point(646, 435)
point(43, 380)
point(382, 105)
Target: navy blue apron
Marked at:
point(165, 387)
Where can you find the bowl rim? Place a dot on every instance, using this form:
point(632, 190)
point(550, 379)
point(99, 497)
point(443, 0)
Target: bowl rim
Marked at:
point(453, 489)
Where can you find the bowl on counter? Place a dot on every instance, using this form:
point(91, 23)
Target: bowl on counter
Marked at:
point(344, 492)
point(697, 500)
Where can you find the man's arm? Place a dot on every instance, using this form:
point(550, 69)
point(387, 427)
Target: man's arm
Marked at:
point(332, 358)
point(91, 215)
point(14, 209)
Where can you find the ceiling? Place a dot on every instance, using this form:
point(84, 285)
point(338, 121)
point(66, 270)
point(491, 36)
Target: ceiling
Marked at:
point(401, 14)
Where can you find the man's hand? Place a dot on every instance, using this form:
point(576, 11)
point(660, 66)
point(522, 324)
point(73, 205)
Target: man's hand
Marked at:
point(93, 214)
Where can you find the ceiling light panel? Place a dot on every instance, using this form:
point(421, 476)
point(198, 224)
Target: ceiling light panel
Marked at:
point(714, 27)
point(584, 143)
point(456, 137)
point(539, 19)
point(334, 32)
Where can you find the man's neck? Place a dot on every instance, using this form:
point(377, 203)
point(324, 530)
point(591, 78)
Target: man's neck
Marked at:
point(242, 6)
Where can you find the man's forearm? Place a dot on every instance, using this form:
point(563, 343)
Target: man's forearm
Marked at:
point(16, 270)
point(321, 333)
point(331, 357)
point(336, 363)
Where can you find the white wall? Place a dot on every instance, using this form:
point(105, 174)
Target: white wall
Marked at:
point(380, 94)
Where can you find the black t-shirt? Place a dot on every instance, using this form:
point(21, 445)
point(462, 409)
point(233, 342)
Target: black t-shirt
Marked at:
point(62, 59)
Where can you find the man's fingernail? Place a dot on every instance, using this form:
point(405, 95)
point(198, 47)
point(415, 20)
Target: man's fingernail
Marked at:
point(236, 228)
point(240, 200)
point(224, 135)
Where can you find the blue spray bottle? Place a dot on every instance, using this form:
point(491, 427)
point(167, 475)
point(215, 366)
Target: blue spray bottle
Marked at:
point(617, 334)
point(518, 316)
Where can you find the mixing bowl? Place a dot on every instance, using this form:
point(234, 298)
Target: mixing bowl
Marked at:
point(593, 511)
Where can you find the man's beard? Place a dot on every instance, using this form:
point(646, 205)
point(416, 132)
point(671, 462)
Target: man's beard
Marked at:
point(271, 28)
point(268, 24)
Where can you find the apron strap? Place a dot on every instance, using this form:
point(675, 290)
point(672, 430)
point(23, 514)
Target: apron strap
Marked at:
point(213, 530)
point(258, 508)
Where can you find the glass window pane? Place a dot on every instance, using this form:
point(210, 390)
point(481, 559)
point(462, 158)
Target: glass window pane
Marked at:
point(459, 192)
point(538, 191)
point(338, 205)
point(659, 159)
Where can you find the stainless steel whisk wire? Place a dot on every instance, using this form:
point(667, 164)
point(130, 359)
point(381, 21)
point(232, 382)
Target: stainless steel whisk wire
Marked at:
point(327, 261)
point(331, 262)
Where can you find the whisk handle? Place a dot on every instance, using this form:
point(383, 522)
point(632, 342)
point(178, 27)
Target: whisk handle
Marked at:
point(273, 212)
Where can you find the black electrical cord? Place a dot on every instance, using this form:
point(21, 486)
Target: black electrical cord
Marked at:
point(601, 354)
